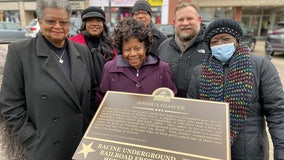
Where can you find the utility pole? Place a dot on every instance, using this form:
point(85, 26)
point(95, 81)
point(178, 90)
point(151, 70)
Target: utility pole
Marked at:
point(109, 5)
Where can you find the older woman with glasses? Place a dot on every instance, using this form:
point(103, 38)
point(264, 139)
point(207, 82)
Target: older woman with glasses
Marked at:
point(136, 69)
point(47, 86)
point(249, 83)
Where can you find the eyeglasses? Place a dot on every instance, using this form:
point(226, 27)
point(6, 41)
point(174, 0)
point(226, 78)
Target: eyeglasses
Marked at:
point(53, 22)
point(136, 49)
point(143, 13)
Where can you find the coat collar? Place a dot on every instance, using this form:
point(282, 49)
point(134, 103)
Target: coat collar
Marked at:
point(53, 68)
point(151, 59)
point(145, 70)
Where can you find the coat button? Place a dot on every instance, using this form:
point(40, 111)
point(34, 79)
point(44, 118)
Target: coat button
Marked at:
point(55, 119)
point(57, 143)
point(44, 96)
point(138, 85)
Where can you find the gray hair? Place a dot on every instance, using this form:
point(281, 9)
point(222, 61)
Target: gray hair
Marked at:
point(42, 4)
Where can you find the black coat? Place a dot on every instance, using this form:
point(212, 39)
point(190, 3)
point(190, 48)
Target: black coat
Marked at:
point(158, 38)
point(47, 111)
point(182, 63)
point(267, 105)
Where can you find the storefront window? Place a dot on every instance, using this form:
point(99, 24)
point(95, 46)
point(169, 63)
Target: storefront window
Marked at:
point(207, 14)
point(210, 14)
point(11, 16)
point(280, 16)
point(118, 13)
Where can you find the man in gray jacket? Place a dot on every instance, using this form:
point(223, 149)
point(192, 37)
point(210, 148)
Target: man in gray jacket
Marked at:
point(186, 48)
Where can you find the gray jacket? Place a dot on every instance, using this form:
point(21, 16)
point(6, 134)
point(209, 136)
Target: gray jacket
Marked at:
point(267, 104)
point(182, 64)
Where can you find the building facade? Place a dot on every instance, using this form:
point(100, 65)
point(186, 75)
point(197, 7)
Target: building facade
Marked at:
point(23, 11)
point(258, 15)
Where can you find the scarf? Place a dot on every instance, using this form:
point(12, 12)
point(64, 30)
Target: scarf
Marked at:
point(238, 89)
point(97, 56)
point(99, 45)
point(184, 46)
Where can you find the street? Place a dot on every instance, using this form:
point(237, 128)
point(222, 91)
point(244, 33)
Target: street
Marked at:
point(277, 59)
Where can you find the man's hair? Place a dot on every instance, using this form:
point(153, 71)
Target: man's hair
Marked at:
point(186, 4)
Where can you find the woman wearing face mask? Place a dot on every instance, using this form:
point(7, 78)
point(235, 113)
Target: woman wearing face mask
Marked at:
point(249, 83)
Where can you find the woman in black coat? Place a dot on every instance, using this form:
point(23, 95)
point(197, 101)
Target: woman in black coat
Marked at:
point(47, 86)
point(249, 83)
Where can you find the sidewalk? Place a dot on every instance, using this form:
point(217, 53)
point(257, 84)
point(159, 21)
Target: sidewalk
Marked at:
point(10, 149)
point(259, 48)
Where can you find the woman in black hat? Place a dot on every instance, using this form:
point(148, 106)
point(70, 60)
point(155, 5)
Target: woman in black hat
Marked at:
point(95, 34)
point(249, 83)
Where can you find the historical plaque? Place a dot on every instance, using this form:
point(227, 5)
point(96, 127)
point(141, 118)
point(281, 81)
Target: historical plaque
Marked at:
point(131, 126)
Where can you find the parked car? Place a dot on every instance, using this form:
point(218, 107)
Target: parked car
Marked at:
point(206, 22)
point(167, 29)
point(248, 38)
point(33, 27)
point(74, 30)
point(275, 40)
point(75, 24)
point(10, 32)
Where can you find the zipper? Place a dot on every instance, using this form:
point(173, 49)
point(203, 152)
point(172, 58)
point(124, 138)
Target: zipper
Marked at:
point(181, 53)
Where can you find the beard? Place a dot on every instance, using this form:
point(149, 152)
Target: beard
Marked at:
point(185, 37)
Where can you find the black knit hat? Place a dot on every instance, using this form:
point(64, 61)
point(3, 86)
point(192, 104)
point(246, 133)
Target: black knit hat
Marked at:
point(142, 5)
point(93, 12)
point(228, 26)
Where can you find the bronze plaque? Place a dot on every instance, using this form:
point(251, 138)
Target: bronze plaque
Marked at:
point(130, 126)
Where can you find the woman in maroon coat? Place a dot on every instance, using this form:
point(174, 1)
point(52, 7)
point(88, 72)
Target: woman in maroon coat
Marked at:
point(135, 69)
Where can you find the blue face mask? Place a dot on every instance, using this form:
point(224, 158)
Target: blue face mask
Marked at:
point(223, 52)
